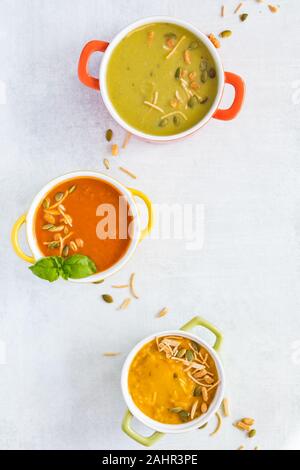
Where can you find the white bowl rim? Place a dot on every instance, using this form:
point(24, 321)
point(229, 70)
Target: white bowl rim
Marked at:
point(105, 61)
point(172, 428)
point(30, 217)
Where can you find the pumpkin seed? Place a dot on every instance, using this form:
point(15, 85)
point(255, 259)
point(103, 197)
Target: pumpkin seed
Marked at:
point(178, 73)
point(53, 245)
point(243, 16)
point(195, 345)
point(65, 251)
point(170, 36)
point(204, 76)
point(203, 64)
point(192, 101)
point(197, 391)
point(212, 72)
point(203, 100)
point(58, 228)
point(176, 120)
point(225, 34)
point(46, 203)
point(58, 196)
point(109, 135)
point(99, 282)
point(252, 433)
point(181, 353)
point(163, 122)
point(193, 45)
point(47, 226)
point(177, 409)
point(189, 355)
point(106, 163)
point(184, 415)
point(72, 189)
point(107, 298)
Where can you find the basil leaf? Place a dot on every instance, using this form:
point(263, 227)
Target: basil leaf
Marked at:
point(78, 266)
point(47, 268)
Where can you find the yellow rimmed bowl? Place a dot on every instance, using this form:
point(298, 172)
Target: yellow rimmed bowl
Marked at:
point(137, 234)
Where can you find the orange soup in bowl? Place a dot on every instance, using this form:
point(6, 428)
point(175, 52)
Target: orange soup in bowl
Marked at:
point(84, 215)
point(173, 380)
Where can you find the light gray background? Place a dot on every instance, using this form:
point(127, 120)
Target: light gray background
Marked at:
point(56, 388)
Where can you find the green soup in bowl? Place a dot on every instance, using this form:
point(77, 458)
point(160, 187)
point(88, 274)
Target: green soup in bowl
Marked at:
point(161, 79)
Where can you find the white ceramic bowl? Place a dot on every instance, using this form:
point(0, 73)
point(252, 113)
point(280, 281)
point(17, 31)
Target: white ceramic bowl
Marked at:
point(223, 77)
point(214, 406)
point(137, 232)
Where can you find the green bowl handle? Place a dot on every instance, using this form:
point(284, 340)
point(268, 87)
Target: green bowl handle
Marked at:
point(145, 441)
point(198, 321)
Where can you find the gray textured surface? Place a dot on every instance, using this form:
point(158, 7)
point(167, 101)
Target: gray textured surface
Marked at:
point(56, 389)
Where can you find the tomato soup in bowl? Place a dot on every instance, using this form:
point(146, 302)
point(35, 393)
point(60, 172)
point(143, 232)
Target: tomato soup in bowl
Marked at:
point(69, 220)
point(85, 213)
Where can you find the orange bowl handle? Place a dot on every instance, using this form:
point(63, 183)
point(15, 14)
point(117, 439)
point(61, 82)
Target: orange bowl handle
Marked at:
point(239, 88)
point(87, 51)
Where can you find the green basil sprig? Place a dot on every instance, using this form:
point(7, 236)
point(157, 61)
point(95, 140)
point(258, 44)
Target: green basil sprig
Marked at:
point(53, 267)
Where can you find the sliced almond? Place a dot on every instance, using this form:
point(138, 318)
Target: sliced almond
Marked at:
point(209, 380)
point(200, 374)
point(174, 103)
point(79, 242)
point(273, 8)
point(203, 408)
point(73, 245)
point(49, 218)
point(249, 421)
point(150, 37)
point(192, 76)
point(163, 312)
point(195, 85)
point(115, 150)
point(243, 426)
point(106, 163)
point(125, 304)
point(187, 57)
point(204, 393)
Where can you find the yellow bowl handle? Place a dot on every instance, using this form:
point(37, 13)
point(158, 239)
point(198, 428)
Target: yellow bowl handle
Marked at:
point(15, 240)
point(146, 200)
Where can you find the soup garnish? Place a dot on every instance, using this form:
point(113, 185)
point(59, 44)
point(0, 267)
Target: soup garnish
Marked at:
point(52, 268)
point(162, 79)
point(173, 379)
